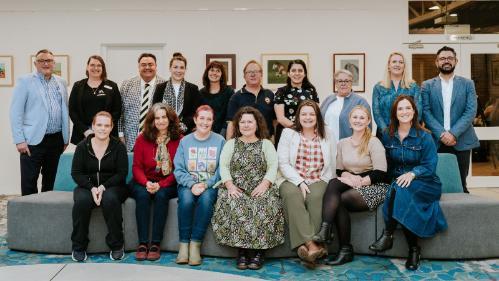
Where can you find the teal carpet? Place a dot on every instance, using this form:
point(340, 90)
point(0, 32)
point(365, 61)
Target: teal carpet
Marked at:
point(362, 268)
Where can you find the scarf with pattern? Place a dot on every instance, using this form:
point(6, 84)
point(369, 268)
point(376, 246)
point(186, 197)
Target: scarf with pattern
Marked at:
point(162, 157)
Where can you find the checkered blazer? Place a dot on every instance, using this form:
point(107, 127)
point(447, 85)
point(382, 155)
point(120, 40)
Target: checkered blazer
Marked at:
point(128, 125)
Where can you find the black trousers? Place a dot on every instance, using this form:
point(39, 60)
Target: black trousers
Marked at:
point(44, 157)
point(463, 161)
point(111, 202)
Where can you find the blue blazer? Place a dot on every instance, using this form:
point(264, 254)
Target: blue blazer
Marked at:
point(29, 112)
point(463, 111)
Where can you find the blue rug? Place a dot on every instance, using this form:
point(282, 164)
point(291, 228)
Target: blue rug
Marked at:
point(362, 268)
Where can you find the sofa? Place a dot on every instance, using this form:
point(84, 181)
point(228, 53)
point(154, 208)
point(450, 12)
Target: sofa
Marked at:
point(42, 223)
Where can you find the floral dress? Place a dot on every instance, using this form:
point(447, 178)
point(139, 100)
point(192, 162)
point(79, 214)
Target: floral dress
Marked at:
point(248, 222)
point(291, 97)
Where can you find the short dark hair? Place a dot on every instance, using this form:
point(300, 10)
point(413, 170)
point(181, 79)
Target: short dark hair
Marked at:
point(147, 55)
point(446, 48)
point(223, 78)
point(43, 51)
point(150, 131)
point(261, 126)
point(103, 75)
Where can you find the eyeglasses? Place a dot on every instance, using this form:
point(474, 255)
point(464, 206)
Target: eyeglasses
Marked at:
point(42, 61)
point(252, 72)
point(343, 81)
point(442, 59)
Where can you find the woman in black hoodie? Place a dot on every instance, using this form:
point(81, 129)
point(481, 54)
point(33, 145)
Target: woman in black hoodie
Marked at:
point(100, 166)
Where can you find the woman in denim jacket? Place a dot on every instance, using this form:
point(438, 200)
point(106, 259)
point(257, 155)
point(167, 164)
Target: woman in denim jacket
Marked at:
point(413, 198)
point(395, 83)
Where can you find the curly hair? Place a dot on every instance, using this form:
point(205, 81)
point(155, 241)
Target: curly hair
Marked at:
point(223, 78)
point(150, 131)
point(261, 127)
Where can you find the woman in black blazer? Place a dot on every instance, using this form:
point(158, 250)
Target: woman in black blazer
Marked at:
point(91, 95)
point(181, 95)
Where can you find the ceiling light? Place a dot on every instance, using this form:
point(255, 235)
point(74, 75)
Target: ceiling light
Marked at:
point(453, 15)
point(240, 9)
point(434, 8)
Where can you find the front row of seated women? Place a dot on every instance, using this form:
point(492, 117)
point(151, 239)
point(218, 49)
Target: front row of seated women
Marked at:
point(236, 185)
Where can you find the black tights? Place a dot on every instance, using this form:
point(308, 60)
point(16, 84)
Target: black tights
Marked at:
point(340, 199)
point(391, 224)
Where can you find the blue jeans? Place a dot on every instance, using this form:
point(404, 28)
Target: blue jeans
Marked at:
point(143, 201)
point(194, 213)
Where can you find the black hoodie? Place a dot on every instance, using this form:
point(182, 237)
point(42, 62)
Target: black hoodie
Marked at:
point(87, 171)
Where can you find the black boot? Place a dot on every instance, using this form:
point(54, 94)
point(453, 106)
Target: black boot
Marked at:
point(413, 259)
point(384, 242)
point(344, 255)
point(324, 235)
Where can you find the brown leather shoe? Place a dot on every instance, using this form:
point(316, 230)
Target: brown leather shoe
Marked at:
point(141, 253)
point(154, 253)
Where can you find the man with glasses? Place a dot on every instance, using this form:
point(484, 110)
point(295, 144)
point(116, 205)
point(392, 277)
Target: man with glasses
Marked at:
point(449, 107)
point(252, 94)
point(136, 98)
point(39, 122)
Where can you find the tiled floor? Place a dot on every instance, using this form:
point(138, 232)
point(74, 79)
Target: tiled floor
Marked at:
point(99, 267)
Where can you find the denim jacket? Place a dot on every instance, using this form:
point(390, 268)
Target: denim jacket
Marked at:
point(383, 99)
point(416, 153)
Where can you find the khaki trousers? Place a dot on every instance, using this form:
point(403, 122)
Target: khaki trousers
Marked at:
point(303, 217)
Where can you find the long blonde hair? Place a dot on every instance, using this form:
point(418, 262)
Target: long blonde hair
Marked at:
point(364, 142)
point(405, 82)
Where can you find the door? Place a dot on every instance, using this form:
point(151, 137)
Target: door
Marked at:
point(479, 62)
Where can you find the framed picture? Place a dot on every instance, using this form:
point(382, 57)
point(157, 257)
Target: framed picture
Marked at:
point(61, 66)
point(6, 71)
point(355, 63)
point(229, 62)
point(495, 72)
point(275, 68)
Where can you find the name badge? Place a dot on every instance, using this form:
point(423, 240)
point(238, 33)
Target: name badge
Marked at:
point(108, 87)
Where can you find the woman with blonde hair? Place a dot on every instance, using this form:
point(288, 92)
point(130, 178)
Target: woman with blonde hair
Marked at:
point(396, 82)
point(361, 168)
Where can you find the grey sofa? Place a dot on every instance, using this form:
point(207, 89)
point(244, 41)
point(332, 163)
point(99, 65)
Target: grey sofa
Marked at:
point(42, 223)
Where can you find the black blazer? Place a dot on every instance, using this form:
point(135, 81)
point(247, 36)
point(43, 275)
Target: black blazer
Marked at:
point(192, 100)
point(82, 114)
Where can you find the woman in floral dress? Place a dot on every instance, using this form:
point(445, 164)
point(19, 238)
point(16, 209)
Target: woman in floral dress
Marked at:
point(248, 214)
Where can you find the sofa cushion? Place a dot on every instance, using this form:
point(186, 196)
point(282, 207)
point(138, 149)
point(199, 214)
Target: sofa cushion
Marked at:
point(448, 172)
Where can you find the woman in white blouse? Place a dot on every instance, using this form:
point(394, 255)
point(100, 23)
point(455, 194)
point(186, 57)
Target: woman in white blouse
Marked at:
point(306, 164)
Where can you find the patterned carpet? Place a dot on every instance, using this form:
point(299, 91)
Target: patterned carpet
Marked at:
point(362, 268)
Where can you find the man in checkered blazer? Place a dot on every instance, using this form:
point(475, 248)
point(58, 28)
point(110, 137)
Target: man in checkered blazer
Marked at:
point(136, 98)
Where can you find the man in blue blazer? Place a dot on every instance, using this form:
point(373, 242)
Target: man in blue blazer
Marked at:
point(449, 107)
point(39, 121)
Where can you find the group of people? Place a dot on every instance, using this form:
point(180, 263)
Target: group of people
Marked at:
point(212, 149)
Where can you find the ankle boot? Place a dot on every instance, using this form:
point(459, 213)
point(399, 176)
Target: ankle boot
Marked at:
point(194, 253)
point(183, 253)
point(384, 242)
point(413, 259)
point(344, 255)
point(324, 235)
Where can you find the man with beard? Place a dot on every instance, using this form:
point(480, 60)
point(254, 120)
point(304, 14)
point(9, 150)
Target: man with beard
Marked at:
point(136, 98)
point(449, 106)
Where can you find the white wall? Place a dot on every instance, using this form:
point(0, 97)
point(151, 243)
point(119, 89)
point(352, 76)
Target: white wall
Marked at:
point(372, 27)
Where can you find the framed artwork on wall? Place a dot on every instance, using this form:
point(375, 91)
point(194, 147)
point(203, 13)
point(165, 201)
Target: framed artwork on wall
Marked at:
point(229, 62)
point(61, 67)
point(356, 64)
point(6, 71)
point(275, 68)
